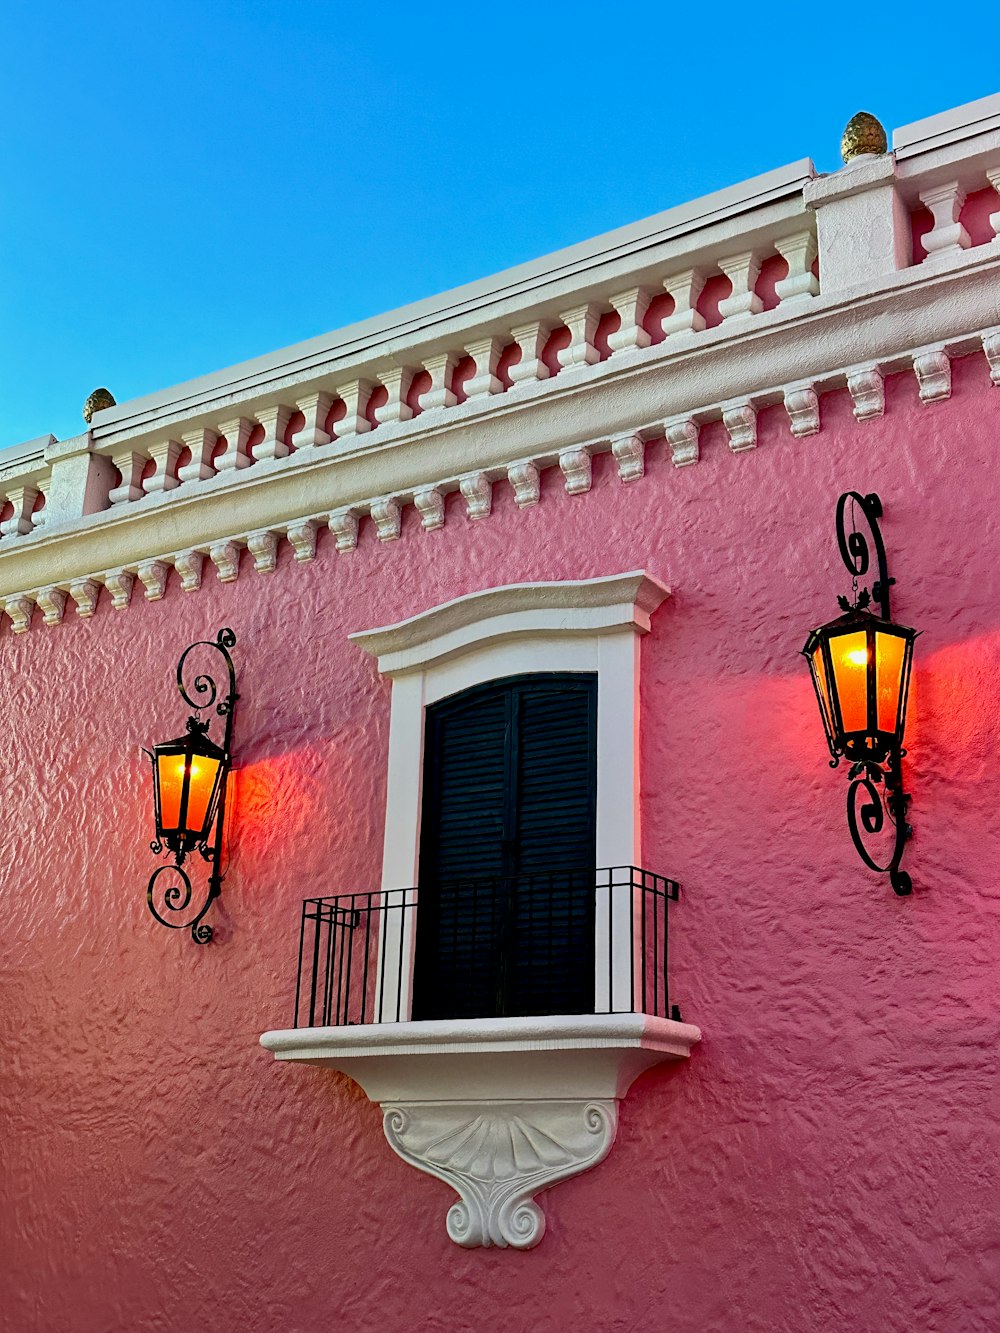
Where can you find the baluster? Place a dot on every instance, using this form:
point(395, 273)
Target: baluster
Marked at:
point(531, 338)
point(947, 238)
point(582, 323)
point(685, 288)
point(742, 271)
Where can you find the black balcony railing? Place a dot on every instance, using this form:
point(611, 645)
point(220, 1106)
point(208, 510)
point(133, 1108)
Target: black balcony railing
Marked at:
point(564, 941)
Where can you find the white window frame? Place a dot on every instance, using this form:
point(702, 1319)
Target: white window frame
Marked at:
point(587, 625)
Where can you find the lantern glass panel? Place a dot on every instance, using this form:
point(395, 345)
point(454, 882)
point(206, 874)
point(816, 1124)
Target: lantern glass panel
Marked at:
point(849, 655)
point(890, 653)
point(188, 775)
point(170, 774)
point(201, 791)
point(822, 688)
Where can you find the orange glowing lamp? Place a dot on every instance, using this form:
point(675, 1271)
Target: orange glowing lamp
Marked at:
point(188, 775)
point(860, 667)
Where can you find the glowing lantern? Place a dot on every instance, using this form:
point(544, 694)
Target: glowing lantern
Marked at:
point(187, 775)
point(860, 667)
point(190, 776)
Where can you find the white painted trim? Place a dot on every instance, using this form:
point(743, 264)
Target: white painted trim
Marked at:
point(580, 1055)
point(947, 127)
point(518, 610)
point(587, 625)
point(457, 1096)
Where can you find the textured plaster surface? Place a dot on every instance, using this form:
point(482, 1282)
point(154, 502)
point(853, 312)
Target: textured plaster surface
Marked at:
point(828, 1161)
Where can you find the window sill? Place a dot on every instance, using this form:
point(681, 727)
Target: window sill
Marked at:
point(497, 1108)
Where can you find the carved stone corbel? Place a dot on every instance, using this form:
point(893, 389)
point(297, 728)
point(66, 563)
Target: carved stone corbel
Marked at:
point(630, 454)
point(867, 390)
point(188, 565)
point(576, 467)
point(523, 477)
point(740, 421)
point(682, 436)
point(153, 577)
point(387, 517)
point(119, 585)
point(302, 538)
point(477, 489)
point(85, 593)
point(498, 1157)
point(263, 546)
point(343, 523)
point(225, 556)
point(429, 503)
point(933, 372)
point(802, 406)
point(53, 604)
point(19, 609)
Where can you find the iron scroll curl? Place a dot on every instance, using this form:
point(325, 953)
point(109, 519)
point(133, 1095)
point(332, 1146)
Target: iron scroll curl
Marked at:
point(176, 898)
point(884, 802)
point(205, 684)
point(854, 545)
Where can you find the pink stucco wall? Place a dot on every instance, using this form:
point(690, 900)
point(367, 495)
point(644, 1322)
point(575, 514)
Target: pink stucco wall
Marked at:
point(828, 1161)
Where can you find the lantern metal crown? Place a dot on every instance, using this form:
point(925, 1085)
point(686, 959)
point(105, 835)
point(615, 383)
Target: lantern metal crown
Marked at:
point(190, 778)
point(860, 667)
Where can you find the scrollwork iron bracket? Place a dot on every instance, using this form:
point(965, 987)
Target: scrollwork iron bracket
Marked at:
point(202, 693)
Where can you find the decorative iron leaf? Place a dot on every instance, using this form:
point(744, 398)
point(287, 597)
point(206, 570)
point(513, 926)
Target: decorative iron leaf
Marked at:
point(843, 603)
point(856, 770)
point(864, 597)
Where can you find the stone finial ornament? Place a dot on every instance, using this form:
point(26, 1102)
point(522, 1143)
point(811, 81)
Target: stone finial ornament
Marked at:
point(97, 402)
point(864, 135)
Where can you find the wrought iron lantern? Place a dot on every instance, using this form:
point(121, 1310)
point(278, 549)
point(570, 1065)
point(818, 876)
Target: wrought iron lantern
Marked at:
point(190, 778)
point(860, 667)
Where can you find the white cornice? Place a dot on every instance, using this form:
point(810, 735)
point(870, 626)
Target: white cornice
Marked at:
point(585, 606)
point(699, 375)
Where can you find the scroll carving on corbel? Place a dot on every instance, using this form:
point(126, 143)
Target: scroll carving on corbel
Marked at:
point(498, 1157)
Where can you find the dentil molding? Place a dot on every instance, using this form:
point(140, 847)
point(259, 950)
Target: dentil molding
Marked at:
point(499, 1109)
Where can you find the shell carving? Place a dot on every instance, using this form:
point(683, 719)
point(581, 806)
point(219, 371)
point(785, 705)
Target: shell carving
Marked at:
point(497, 1160)
point(864, 135)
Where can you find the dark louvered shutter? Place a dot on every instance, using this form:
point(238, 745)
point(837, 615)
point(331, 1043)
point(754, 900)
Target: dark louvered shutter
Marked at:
point(505, 915)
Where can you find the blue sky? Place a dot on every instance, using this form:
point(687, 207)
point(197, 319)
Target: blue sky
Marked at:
point(187, 185)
